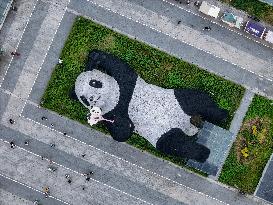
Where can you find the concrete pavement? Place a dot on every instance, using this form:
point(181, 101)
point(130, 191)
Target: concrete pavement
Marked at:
point(7, 198)
point(123, 174)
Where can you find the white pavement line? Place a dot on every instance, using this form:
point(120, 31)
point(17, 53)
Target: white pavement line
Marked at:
point(158, 175)
point(18, 43)
point(241, 112)
point(130, 18)
point(44, 57)
point(29, 187)
point(82, 174)
point(214, 22)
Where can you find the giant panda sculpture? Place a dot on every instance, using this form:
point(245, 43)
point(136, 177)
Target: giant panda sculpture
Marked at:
point(162, 116)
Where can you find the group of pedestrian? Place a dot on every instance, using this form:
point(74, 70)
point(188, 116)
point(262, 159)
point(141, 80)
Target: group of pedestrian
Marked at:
point(46, 190)
point(187, 1)
point(15, 53)
point(12, 145)
point(67, 176)
point(88, 175)
point(52, 169)
point(207, 28)
point(197, 3)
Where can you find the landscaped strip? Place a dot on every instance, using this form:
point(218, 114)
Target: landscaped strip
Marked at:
point(153, 65)
point(252, 148)
point(255, 8)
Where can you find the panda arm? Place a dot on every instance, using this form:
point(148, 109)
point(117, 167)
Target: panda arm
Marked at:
point(121, 129)
point(110, 65)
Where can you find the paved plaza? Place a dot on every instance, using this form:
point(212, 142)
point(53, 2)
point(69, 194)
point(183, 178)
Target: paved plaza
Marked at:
point(122, 174)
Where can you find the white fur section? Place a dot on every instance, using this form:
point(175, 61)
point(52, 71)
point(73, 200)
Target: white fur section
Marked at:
point(106, 97)
point(154, 111)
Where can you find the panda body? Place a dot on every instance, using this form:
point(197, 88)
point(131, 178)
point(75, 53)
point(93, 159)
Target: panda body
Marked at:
point(161, 116)
point(155, 111)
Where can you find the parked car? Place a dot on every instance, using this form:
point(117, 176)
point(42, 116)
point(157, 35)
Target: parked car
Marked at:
point(255, 29)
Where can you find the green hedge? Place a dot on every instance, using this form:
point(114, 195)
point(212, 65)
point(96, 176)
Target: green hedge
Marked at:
point(153, 65)
point(256, 136)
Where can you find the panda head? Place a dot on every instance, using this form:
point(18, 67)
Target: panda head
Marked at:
point(95, 88)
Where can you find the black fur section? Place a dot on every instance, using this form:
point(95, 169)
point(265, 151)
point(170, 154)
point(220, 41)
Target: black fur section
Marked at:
point(195, 102)
point(175, 142)
point(72, 94)
point(84, 100)
point(126, 79)
point(122, 128)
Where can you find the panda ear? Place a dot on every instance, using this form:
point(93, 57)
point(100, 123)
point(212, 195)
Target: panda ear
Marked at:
point(92, 61)
point(72, 94)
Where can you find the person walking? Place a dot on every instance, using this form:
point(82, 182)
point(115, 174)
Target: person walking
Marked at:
point(12, 145)
point(44, 118)
point(46, 191)
point(88, 175)
point(36, 202)
point(197, 3)
point(207, 28)
point(15, 53)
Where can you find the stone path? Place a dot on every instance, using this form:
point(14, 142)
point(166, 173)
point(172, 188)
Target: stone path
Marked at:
point(241, 112)
point(122, 174)
point(218, 140)
point(237, 121)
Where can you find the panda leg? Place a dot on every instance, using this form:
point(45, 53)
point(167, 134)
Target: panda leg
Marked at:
point(176, 143)
point(214, 114)
point(195, 102)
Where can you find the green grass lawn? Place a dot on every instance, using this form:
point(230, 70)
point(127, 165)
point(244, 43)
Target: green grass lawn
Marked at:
point(255, 8)
point(154, 66)
point(252, 148)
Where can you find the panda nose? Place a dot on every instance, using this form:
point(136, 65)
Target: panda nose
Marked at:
point(91, 98)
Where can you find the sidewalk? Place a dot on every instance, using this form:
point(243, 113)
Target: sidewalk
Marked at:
point(224, 8)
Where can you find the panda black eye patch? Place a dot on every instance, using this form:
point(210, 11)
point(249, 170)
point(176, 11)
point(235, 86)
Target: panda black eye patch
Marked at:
point(95, 83)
